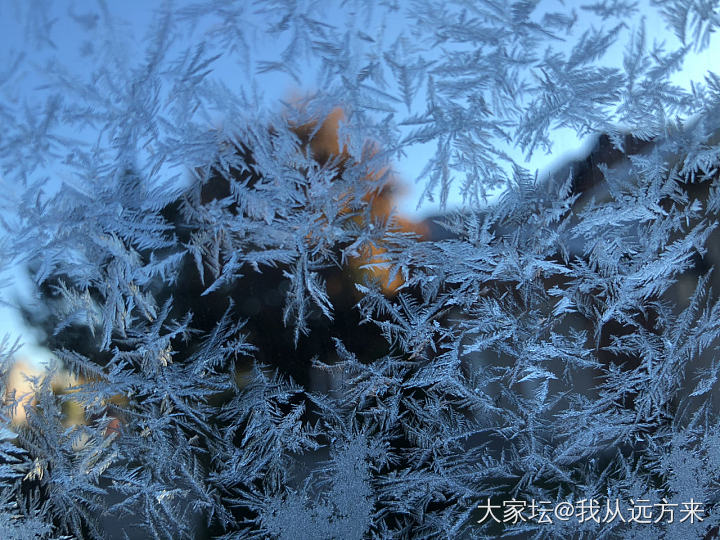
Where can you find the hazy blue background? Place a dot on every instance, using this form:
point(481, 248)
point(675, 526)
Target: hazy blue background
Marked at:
point(39, 34)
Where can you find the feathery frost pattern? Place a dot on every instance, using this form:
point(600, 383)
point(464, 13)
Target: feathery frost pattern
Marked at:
point(258, 345)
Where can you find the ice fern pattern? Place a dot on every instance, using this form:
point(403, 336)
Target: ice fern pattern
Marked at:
point(261, 347)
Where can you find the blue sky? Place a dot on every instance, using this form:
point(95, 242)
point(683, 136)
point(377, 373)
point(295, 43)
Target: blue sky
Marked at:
point(74, 34)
